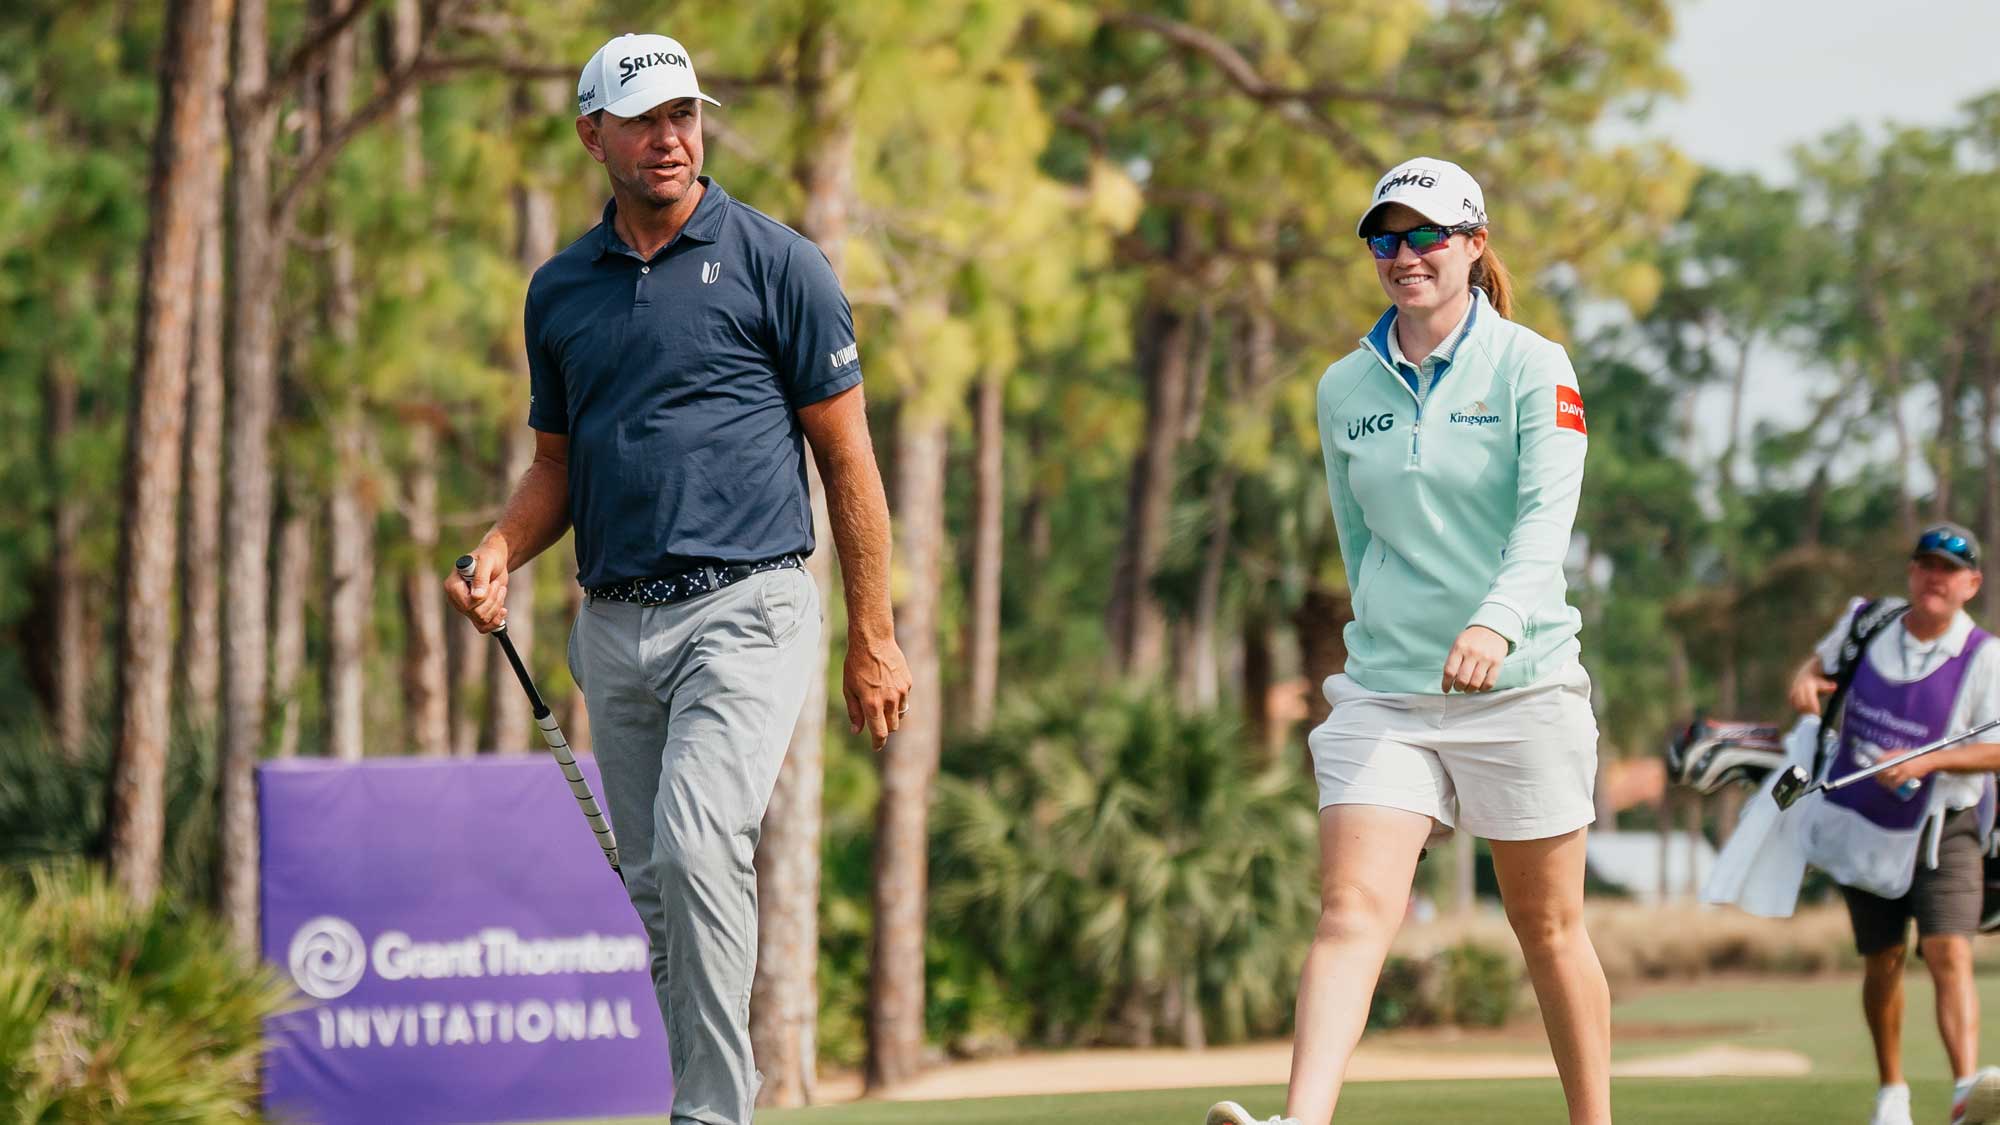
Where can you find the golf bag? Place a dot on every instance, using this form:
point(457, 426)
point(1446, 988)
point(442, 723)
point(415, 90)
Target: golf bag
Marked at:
point(1712, 753)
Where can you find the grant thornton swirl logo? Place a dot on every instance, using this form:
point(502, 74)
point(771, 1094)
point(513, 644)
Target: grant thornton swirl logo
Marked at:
point(327, 957)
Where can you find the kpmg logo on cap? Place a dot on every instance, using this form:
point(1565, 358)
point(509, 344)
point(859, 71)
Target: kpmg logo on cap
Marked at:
point(1417, 176)
point(630, 66)
point(327, 957)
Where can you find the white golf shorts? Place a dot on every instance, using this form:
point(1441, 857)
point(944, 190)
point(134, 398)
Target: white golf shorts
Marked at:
point(1507, 765)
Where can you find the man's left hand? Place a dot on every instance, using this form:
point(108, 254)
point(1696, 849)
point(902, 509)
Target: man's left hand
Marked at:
point(876, 682)
point(1912, 770)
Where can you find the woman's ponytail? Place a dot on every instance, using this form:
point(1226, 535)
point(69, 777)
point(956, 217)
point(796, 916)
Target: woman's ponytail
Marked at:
point(1490, 273)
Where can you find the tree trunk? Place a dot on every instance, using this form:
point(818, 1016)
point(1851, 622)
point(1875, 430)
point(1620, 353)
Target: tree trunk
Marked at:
point(70, 661)
point(470, 656)
point(250, 406)
point(350, 532)
point(909, 762)
point(350, 592)
point(1194, 1032)
point(201, 525)
point(426, 724)
point(1137, 624)
point(1204, 655)
point(1037, 535)
point(784, 996)
point(1321, 623)
point(1989, 493)
point(190, 73)
point(426, 679)
point(291, 572)
point(509, 720)
point(1259, 676)
point(988, 522)
point(1949, 425)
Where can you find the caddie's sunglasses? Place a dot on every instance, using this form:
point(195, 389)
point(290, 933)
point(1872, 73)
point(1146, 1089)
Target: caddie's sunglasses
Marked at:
point(1957, 546)
point(1423, 239)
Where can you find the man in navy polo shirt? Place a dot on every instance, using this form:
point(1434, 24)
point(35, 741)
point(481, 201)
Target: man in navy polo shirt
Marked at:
point(682, 353)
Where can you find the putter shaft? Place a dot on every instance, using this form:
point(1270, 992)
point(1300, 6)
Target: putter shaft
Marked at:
point(545, 721)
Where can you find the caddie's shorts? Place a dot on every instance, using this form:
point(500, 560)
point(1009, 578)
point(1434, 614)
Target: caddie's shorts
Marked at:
point(1507, 765)
point(1944, 900)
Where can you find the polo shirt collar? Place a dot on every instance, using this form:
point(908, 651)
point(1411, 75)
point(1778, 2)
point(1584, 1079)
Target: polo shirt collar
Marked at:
point(1381, 343)
point(1952, 641)
point(705, 225)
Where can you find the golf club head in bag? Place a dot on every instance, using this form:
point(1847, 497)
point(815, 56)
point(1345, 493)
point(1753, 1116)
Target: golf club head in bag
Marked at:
point(1791, 787)
point(1713, 753)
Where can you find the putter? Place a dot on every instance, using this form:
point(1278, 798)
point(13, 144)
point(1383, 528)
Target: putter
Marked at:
point(579, 786)
point(1794, 785)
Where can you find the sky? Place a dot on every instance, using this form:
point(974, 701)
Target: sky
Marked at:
point(1764, 76)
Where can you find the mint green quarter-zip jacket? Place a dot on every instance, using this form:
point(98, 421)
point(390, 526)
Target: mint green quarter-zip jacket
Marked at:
point(1454, 506)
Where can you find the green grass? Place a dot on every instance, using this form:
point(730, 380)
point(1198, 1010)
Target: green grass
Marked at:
point(1819, 1018)
point(1511, 1102)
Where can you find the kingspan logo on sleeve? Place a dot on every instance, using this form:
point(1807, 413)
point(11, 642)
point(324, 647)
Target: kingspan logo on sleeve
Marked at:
point(1479, 415)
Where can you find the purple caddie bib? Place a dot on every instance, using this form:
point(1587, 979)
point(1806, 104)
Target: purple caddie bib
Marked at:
point(1881, 716)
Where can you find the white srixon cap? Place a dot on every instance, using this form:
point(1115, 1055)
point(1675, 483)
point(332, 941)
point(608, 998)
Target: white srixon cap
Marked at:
point(1437, 189)
point(633, 73)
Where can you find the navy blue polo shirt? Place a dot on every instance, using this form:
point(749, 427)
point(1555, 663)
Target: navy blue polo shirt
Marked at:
point(678, 379)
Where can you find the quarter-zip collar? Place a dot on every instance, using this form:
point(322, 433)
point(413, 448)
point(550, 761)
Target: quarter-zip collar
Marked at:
point(1381, 343)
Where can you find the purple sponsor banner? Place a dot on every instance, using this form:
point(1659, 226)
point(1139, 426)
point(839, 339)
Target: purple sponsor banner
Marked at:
point(464, 952)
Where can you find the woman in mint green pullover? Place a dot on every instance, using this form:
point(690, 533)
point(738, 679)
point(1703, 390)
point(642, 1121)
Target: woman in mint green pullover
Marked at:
point(1454, 479)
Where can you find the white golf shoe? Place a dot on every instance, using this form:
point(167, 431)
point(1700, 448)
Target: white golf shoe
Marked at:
point(1229, 1113)
point(1892, 1106)
point(1981, 1101)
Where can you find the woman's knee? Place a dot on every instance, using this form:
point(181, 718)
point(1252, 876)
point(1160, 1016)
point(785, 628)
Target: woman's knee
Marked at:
point(1350, 911)
point(1550, 928)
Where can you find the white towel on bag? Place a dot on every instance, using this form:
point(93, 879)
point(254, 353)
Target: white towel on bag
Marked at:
point(1761, 868)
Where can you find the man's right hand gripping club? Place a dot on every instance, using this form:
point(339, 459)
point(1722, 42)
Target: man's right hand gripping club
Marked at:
point(485, 601)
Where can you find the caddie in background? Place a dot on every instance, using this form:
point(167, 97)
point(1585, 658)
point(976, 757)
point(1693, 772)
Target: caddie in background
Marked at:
point(682, 355)
point(1902, 675)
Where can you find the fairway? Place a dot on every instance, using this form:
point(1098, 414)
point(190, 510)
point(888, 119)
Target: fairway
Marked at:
point(1642, 1101)
point(1819, 1018)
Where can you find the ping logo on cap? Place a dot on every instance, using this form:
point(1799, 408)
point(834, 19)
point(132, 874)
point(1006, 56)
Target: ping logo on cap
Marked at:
point(630, 66)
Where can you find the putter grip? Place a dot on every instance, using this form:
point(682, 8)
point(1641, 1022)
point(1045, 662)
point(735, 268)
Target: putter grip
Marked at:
point(466, 567)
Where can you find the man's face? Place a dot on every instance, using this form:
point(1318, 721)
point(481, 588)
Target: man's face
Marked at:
point(1939, 588)
point(655, 156)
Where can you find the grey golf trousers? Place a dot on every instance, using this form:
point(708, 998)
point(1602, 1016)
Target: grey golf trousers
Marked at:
point(691, 708)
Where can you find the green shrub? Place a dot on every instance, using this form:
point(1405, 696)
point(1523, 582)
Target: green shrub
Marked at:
point(1464, 985)
point(1480, 985)
point(52, 807)
point(110, 1012)
point(1406, 995)
point(1142, 866)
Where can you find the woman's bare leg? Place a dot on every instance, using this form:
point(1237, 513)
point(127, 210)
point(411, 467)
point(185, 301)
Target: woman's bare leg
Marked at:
point(1541, 882)
point(1367, 857)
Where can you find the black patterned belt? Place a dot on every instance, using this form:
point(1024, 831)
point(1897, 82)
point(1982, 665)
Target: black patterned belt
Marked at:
point(672, 588)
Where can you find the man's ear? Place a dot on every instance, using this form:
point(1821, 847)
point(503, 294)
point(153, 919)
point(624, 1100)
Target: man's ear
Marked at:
point(593, 142)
